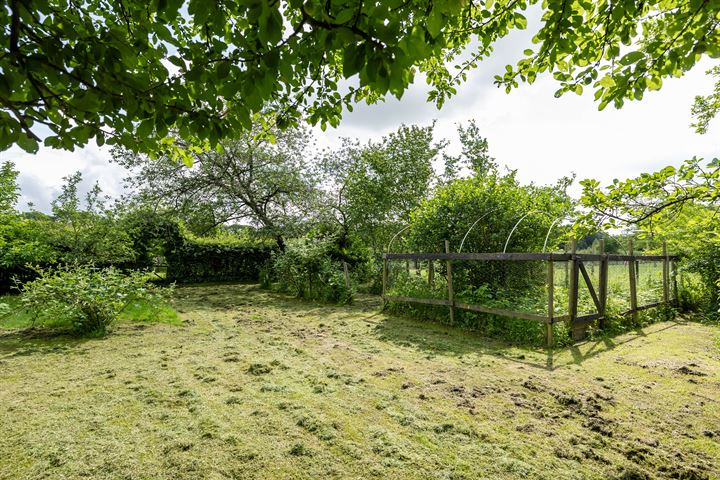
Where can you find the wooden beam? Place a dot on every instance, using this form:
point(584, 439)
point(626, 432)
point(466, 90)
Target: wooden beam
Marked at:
point(676, 298)
point(633, 282)
point(557, 257)
point(451, 294)
point(385, 276)
point(603, 287)
point(641, 307)
point(502, 312)
point(666, 274)
point(426, 301)
point(573, 288)
point(589, 284)
point(549, 339)
point(347, 275)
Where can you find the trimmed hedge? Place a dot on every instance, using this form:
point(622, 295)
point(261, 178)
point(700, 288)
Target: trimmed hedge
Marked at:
point(212, 261)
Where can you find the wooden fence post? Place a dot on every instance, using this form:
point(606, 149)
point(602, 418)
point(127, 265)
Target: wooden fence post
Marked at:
point(417, 267)
point(384, 276)
point(549, 339)
point(573, 288)
point(666, 273)
point(676, 298)
point(347, 275)
point(603, 288)
point(633, 280)
point(451, 295)
point(431, 273)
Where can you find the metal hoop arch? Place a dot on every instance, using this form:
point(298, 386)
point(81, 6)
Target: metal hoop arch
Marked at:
point(473, 226)
point(550, 230)
point(507, 242)
point(395, 236)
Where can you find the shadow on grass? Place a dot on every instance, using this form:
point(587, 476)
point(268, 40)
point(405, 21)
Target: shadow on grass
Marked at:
point(37, 340)
point(427, 336)
point(438, 339)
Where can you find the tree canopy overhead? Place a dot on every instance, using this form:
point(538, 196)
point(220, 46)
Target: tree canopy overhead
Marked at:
point(129, 72)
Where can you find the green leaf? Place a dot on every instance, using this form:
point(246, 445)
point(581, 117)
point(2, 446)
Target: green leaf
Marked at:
point(353, 59)
point(27, 143)
point(607, 82)
point(345, 15)
point(632, 57)
point(435, 22)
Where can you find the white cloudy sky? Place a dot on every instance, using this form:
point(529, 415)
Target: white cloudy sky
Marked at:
point(530, 130)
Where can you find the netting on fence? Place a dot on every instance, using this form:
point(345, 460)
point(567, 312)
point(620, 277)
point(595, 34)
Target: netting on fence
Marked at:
point(547, 288)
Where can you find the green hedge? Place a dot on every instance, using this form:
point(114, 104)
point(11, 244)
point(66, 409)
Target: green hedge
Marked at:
point(212, 261)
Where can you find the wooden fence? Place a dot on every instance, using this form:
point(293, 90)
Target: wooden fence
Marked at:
point(576, 270)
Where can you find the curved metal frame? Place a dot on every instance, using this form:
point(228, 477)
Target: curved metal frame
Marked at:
point(473, 226)
point(395, 236)
point(550, 230)
point(507, 242)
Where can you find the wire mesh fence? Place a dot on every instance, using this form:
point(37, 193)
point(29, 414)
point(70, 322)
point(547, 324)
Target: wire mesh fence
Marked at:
point(548, 288)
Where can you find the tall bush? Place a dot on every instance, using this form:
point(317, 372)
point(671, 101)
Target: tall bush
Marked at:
point(308, 269)
point(88, 299)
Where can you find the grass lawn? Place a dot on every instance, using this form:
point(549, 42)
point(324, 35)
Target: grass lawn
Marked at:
point(249, 384)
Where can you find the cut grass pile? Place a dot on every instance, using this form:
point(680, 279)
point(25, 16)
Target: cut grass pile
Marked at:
point(257, 385)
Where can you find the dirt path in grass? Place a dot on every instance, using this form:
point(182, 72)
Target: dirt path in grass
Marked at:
point(257, 385)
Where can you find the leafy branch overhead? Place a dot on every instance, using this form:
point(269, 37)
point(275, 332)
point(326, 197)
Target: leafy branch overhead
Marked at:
point(129, 72)
point(658, 195)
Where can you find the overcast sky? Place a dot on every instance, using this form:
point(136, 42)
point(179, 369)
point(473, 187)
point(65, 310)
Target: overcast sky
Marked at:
point(544, 138)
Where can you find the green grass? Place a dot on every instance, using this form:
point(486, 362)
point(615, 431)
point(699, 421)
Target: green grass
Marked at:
point(20, 317)
point(255, 385)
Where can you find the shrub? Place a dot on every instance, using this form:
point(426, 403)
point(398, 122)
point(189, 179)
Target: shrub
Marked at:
point(87, 298)
point(702, 290)
point(196, 259)
point(307, 269)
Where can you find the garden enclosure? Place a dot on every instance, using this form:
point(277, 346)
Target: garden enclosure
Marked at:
point(576, 289)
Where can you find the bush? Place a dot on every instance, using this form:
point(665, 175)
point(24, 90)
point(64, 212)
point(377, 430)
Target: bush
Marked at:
point(215, 259)
point(308, 270)
point(701, 291)
point(23, 241)
point(88, 299)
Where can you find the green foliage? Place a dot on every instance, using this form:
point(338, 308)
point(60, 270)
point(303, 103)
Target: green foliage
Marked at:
point(85, 298)
point(374, 187)
point(706, 263)
point(9, 189)
point(639, 200)
point(215, 259)
point(75, 233)
point(499, 202)
point(309, 269)
point(23, 242)
point(677, 205)
point(247, 179)
point(91, 234)
point(513, 330)
point(130, 72)
point(706, 108)
point(474, 157)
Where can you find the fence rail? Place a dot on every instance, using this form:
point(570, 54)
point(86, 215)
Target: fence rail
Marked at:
point(575, 264)
point(555, 257)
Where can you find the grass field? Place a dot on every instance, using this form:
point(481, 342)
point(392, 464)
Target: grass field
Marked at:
point(250, 384)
